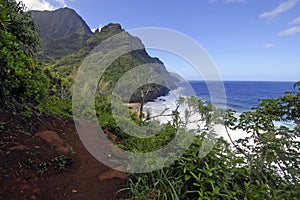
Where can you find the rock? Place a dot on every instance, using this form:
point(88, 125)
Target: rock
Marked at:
point(36, 190)
point(53, 138)
point(112, 173)
point(63, 149)
point(20, 147)
point(26, 187)
point(33, 197)
point(35, 179)
point(74, 191)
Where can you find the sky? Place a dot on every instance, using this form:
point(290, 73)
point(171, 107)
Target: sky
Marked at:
point(246, 39)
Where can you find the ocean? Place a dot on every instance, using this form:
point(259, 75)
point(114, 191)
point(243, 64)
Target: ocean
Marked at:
point(241, 96)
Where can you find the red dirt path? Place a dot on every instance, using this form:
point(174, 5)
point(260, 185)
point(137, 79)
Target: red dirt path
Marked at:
point(27, 169)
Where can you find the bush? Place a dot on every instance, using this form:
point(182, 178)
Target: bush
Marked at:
point(20, 79)
point(268, 168)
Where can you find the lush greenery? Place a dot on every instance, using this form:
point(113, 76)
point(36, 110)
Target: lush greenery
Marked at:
point(21, 79)
point(264, 165)
point(62, 32)
point(49, 85)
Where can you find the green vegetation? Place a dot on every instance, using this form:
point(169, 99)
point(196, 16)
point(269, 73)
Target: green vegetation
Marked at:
point(264, 165)
point(62, 32)
point(21, 80)
point(59, 163)
point(63, 71)
point(25, 85)
point(266, 168)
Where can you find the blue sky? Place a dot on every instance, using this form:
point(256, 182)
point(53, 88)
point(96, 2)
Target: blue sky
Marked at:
point(247, 39)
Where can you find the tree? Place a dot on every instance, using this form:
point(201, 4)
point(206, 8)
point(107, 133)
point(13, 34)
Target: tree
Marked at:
point(264, 165)
point(145, 91)
point(271, 150)
point(20, 79)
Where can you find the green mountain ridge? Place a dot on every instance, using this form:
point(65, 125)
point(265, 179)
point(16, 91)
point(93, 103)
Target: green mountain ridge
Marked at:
point(67, 40)
point(62, 32)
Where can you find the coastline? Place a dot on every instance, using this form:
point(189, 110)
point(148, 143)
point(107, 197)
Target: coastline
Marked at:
point(169, 102)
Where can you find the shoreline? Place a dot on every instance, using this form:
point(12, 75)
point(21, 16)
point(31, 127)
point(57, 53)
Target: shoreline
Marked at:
point(169, 102)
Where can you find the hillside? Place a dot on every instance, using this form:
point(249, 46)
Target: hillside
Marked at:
point(67, 40)
point(43, 158)
point(62, 32)
point(48, 133)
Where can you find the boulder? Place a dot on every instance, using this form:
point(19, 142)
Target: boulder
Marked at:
point(53, 138)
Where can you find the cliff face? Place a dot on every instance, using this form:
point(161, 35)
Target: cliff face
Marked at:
point(62, 32)
point(60, 23)
point(67, 40)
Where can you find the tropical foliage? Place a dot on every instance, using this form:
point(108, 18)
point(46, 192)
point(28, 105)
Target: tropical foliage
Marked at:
point(264, 165)
point(20, 78)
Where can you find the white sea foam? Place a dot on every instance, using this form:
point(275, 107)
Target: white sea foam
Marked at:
point(164, 105)
point(167, 104)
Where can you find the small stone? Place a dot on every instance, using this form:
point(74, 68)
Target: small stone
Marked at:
point(35, 179)
point(20, 147)
point(36, 191)
point(25, 187)
point(53, 138)
point(63, 149)
point(74, 191)
point(33, 197)
point(112, 173)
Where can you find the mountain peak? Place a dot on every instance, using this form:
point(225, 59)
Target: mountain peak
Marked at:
point(60, 23)
point(62, 32)
point(112, 28)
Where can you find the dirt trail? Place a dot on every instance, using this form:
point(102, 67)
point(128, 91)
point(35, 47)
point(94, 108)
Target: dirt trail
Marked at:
point(24, 174)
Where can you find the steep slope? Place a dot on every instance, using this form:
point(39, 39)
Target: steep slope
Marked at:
point(67, 41)
point(68, 65)
point(62, 32)
point(177, 77)
point(32, 167)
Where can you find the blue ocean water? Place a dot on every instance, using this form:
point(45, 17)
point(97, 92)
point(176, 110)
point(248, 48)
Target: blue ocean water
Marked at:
point(241, 96)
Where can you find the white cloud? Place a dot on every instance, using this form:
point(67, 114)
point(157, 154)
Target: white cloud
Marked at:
point(283, 7)
point(295, 21)
point(37, 4)
point(269, 46)
point(94, 29)
point(290, 31)
point(43, 4)
point(61, 2)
